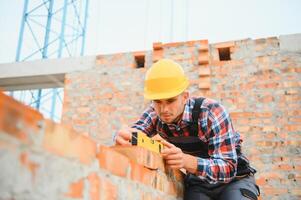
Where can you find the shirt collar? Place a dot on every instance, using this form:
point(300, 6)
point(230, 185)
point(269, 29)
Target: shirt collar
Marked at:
point(187, 114)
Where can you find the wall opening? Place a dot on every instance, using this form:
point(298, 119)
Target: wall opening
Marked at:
point(140, 60)
point(224, 54)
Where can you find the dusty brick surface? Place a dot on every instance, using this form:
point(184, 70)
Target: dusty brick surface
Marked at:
point(56, 162)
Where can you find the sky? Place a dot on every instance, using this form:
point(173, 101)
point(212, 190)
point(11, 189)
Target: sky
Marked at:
point(133, 25)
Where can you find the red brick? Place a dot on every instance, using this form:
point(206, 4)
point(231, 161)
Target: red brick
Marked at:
point(294, 113)
point(247, 86)
point(296, 192)
point(270, 136)
point(8, 146)
point(263, 60)
point(293, 143)
point(205, 83)
point(76, 189)
point(267, 99)
point(224, 44)
point(101, 60)
point(203, 58)
point(147, 196)
point(179, 58)
point(191, 43)
point(63, 141)
point(261, 181)
point(241, 114)
point(81, 121)
point(293, 127)
point(268, 121)
point(204, 71)
point(220, 64)
point(94, 186)
point(174, 44)
point(244, 128)
point(113, 161)
point(254, 121)
point(289, 69)
point(270, 129)
point(103, 96)
point(139, 54)
point(203, 45)
point(157, 46)
point(263, 114)
point(284, 167)
point(267, 85)
point(17, 119)
point(243, 121)
point(138, 172)
point(142, 156)
point(157, 55)
point(83, 148)
point(83, 109)
point(287, 84)
point(291, 91)
point(236, 63)
point(267, 144)
point(108, 190)
point(296, 120)
point(154, 178)
point(30, 165)
point(116, 57)
point(106, 109)
point(273, 175)
point(274, 191)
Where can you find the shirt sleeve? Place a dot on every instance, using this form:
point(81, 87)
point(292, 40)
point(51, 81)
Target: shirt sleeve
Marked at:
point(146, 123)
point(221, 166)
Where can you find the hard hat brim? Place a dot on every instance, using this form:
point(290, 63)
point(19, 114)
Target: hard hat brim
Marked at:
point(150, 95)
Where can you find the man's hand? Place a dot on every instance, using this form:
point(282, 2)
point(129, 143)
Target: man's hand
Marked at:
point(173, 155)
point(176, 159)
point(124, 136)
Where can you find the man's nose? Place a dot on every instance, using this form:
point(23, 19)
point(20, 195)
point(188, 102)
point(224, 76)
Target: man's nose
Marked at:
point(164, 108)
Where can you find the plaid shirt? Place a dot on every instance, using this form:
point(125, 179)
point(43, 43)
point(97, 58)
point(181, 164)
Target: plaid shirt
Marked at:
point(215, 129)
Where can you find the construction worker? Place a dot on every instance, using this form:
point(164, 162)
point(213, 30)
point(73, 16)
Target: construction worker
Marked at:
point(198, 137)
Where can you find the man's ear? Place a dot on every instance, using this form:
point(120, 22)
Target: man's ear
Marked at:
point(185, 96)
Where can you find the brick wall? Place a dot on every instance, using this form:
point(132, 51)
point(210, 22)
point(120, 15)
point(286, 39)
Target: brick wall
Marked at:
point(261, 88)
point(40, 159)
point(257, 80)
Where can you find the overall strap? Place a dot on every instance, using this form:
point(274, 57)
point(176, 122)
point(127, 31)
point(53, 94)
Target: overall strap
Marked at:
point(194, 130)
point(194, 127)
point(167, 130)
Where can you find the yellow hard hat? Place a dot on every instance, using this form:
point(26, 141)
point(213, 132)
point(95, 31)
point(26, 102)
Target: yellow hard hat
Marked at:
point(164, 79)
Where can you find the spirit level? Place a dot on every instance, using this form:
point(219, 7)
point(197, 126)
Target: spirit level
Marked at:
point(141, 139)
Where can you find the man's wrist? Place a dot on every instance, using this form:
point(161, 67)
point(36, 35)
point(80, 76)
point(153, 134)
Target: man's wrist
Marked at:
point(190, 163)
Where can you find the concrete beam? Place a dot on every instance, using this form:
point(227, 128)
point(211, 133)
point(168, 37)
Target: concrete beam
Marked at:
point(41, 73)
point(290, 42)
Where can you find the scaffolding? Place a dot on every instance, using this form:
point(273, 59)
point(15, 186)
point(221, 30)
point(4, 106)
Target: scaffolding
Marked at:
point(50, 29)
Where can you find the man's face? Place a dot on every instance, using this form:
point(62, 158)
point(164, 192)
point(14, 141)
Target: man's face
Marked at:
point(171, 110)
